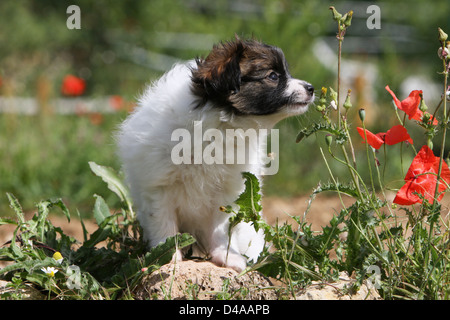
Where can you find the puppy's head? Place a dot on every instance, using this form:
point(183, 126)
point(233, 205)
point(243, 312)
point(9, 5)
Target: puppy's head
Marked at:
point(250, 78)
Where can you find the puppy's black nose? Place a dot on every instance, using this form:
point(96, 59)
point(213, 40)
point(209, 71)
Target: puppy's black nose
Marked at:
point(309, 88)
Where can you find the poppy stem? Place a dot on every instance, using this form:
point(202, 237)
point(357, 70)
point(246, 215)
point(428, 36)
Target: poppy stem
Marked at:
point(385, 162)
point(444, 134)
point(340, 39)
point(368, 158)
point(437, 108)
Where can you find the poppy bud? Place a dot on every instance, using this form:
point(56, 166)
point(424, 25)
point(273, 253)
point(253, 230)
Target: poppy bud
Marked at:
point(328, 139)
point(442, 35)
point(336, 15)
point(320, 108)
point(362, 114)
point(347, 18)
point(333, 95)
point(300, 137)
point(423, 107)
point(348, 103)
point(322, 98)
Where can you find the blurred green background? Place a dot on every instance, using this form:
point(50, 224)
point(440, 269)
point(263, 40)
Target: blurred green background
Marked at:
point(46, 141)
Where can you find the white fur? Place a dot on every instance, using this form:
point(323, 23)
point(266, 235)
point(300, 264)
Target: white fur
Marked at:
point(186, 198)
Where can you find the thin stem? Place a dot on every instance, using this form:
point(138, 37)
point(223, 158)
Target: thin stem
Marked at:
point(353, 172)
point(441, 156)
point(352, 149)
point(340, 39)
point(438, 107)
point(385, 161)
point(368, 158)
point(332, 177)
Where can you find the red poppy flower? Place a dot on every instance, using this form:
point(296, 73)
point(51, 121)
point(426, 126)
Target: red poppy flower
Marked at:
point(397, 134)
point(375, 140)
point(393, 136)
point(421, 179)
point(410, 105)
point(73, 86)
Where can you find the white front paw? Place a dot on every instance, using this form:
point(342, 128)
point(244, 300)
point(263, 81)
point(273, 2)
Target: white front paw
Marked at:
point(230, 260)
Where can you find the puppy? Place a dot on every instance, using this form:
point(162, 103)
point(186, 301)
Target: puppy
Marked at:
point(240, 85)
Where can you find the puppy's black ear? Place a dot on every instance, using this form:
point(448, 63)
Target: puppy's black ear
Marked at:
point(219, 75)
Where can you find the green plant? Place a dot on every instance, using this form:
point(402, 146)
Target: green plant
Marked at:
point(368, 239)
point(106, 265)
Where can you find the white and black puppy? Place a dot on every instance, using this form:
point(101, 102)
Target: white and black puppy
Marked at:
point(241, 84)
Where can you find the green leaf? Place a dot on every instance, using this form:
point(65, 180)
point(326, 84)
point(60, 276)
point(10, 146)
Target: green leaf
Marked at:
point(60, 204)
point(85, 232)
point(113, 181)
point(6, 254)
point(37, 278)
point(29, 265)
point(249, 200)
point(7, 221)
point(40, 219)
point(15, 205)
point(101, 210)
point(44, 210)
point(349, 190)
point(164, 252)
point(249, 204)
point(102, 233)
point(153, 259)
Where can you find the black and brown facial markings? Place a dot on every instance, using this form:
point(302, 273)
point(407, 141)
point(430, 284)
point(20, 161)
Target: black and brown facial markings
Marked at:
point(249, 77)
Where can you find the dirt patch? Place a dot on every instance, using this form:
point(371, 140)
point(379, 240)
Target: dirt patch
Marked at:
point(319, 212)
point(342, 289)
point(204, 281)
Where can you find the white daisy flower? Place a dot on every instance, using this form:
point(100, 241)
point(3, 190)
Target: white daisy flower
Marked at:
point(50, 271)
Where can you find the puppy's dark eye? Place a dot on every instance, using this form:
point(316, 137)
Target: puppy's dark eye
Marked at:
point(273, 76)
